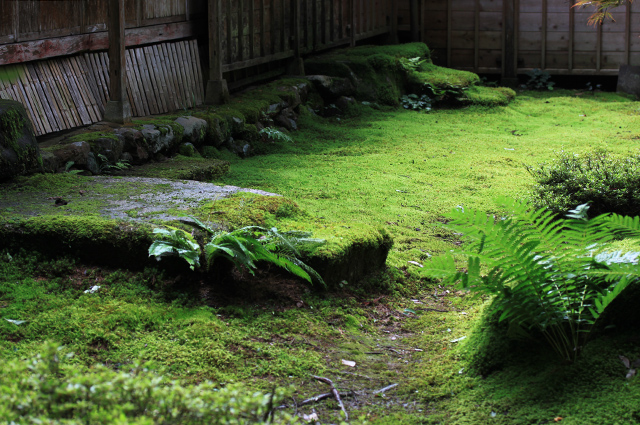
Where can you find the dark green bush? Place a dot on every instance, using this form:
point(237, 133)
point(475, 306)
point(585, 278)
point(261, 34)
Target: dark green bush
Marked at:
point(608, 182)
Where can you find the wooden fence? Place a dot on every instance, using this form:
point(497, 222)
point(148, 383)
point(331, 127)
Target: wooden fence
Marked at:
point(502, 36)
point(67, 92)
point(59, 49)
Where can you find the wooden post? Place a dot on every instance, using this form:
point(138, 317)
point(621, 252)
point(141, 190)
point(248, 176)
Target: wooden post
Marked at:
point(118, 109)
point(217, 90)
point(296, 66)
point(509, 77)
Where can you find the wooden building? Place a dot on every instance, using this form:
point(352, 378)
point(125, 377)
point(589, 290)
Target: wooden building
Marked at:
point(55, 58)
point(510, 37)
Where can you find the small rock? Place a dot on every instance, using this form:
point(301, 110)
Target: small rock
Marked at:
point(195, 129)
point(78, 152)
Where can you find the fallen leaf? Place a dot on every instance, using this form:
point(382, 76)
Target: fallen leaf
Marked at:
point(415, 263)
point(348, 363)
point(557, 419)
point(16, 322)
point(310, 418)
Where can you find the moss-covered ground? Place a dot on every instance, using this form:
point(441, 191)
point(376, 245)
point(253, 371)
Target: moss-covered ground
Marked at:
point(397, 169)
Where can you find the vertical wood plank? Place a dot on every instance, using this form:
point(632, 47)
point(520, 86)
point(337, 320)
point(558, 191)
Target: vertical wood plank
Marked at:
point(187, 72)
point(296, 29)
point(323, 22)
point(572, 30)
point(332, 21)
point(314, 23)
point(252, 29)
point(283, 29)
point(599, 48)
point(272, 26)
point(169, 73)
point(180, 77)
point(543, 35)
point(141, 78)
point(263, 24)
point(86, 91)
point(36, 105)
point(240, 30)
point(119, 110)
point(155, 75)
point(509, 56)
point(353, 22)
point(193, 44)
point(215, 42)
point(66, 94)
point(139, 106)
point(193, 83)
point(43, 97)
point(229, 22)
point(627, 33)
point(449, 24)
point(341, 20)
point(476, 35)
point(90, 58)
point(164, 78)
point(173, 74)
point(52, 93)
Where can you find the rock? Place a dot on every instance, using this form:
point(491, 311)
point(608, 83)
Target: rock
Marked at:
point(239, 147)
point(195, 130)
point(331, 88)
point(187, 149)
point(158, 139)
point(629, 80)
point(287, 119)
point(92, 164)
point(126, 157)
point(344, 102)
point(109, 147)
point(19, 152)
point(50, 162)
point(78, 152)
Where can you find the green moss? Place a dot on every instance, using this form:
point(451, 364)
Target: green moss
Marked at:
point(182, 168)
point(490, 96)
point(91, 136)
point(444, 78)
point(90, 238)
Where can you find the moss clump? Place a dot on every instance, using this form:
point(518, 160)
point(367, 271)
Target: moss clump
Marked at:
point(490, 96)
point(181, 168)
point(15, 131)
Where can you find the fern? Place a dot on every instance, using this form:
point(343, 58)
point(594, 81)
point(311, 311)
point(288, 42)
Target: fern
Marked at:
point(244, 247)
point(553, 275)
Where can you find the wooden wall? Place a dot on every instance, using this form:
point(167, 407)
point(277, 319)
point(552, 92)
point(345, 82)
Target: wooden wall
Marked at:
point(547, 34)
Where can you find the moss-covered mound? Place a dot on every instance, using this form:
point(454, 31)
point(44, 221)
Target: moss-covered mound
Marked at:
point(110, 221)
point(383, 73)
point(181, 168)
point(19, 151)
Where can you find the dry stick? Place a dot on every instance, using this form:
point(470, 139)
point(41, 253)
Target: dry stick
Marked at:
point(381, 390)
point(335, 393)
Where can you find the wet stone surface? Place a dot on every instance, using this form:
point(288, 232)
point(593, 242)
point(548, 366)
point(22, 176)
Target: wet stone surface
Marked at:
point(129, 198)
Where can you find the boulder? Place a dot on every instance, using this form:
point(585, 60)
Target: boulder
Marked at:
point(629, 80)
point(109, 147)
point(50, 162)
point(159, 140)
point(287, 119)
point(19, 152)
point(331, 88)
point(134, 144)
point(195, 130)
point(78, 152)
point(344, 102)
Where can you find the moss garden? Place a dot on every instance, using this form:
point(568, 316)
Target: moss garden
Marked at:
point(88, 339)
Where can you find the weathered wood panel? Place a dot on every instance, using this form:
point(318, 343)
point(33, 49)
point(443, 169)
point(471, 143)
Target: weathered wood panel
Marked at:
point(68, 92)
point(548, 34)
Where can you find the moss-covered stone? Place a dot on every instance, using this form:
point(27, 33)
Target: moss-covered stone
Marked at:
point(92, 239)
point(19, 152)
point(181, 168)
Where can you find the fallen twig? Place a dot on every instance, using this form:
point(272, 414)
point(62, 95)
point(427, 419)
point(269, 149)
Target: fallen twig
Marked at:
point(335, 393)
point(382, 390)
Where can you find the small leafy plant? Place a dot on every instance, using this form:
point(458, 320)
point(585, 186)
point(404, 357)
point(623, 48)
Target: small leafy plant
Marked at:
point(411, 64)
point(244, 248)
point(609, 183)
point(539, 80)
point(553, 276)
point(275, 135)
point(106, 167)
point(416, 103)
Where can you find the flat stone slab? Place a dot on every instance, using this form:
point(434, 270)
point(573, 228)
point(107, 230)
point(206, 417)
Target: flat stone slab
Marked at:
point(130, 198)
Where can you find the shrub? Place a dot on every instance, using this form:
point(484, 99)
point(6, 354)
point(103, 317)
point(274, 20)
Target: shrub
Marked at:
point(610, 184)
point(556, 277)
point(46, 389)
